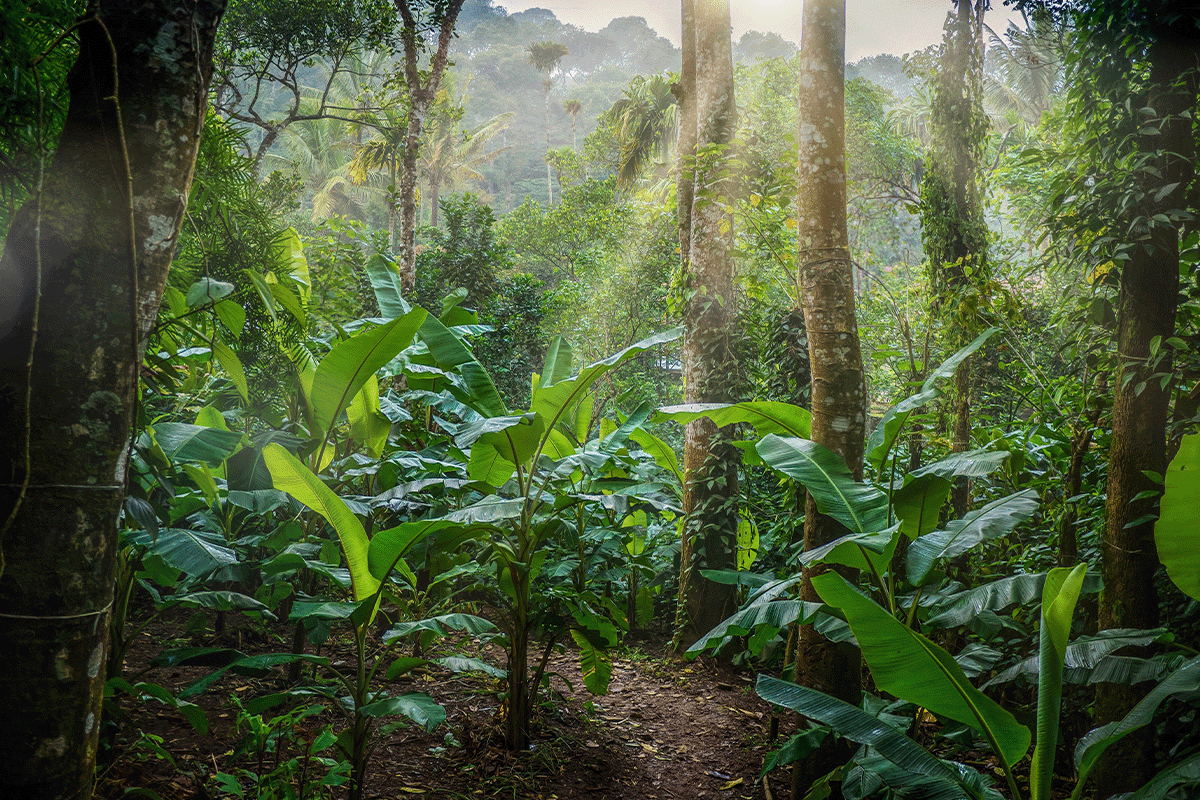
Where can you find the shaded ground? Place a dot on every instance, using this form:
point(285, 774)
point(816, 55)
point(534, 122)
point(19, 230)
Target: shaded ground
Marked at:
point(665, 730)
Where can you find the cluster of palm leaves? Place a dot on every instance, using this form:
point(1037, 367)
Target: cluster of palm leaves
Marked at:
point(349, 158)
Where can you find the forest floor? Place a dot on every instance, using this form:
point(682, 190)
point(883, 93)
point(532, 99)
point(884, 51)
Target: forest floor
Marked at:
point(666, 729)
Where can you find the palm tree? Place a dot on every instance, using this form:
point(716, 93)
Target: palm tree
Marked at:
point(573, 107)
point(450, 155)
point(545, 57)
point(382, 153)
point(647, 122)
point(1028, 71)
point(320, 151)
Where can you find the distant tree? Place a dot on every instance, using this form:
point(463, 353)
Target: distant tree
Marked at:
point(573, 107)
point(452, 155)
point(545, 58)
point(421, 20)
point(646, 122)
point(265, 52)
point(82, 274)
point(755, 46)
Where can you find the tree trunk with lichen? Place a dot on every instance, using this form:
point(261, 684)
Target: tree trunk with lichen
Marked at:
point(709, 458)
point(1141, 403)
point(82, 290)
point(826, 282)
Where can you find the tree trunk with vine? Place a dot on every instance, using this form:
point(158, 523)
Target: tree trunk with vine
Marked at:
point(83, 270)
point(1141, 399)
point(953, 230)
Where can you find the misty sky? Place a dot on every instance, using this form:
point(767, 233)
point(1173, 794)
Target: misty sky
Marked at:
point(872, 26)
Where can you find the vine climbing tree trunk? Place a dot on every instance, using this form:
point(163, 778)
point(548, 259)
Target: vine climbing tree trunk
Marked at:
point(83, 271)
point(709, 364)
point(826, 282)
point(1141, 400)
point(953, 230)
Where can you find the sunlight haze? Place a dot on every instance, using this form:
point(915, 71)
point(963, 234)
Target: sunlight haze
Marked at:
point(872, 26)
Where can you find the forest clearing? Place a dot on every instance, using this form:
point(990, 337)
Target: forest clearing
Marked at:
point(423, 398)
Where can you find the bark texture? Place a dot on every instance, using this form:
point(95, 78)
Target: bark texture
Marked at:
point(421, 94)
point(709, 365)
point(100, 284)
point(1147, 306)
point(827, 286)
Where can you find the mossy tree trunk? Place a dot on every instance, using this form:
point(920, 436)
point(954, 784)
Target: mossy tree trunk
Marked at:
point(953, 230)
point(83, 272)
point(826, 279)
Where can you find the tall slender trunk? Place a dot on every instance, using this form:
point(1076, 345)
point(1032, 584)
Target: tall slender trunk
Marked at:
point(83, 271)
point(709, 364)
point(1147, 306)
point(827, 285)
point(421, 95)
point(549, 181)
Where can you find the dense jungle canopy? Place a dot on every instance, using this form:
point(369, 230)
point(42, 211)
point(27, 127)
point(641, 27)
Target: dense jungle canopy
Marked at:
point(411, 397)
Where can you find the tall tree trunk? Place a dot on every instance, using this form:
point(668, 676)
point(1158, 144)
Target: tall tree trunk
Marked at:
point(953, 230)
point(549, 179)
point(435, 188)
point(81, 290)
point(421, 95)
point(827, 284)
point(709, 366)
point(1147, 306)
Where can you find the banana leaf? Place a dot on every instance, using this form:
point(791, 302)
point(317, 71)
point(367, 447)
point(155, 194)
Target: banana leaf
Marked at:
point(995, 519)
point(1186, 771)
point(1089, 652)
point(971, 464)
point(766, 416)
point(293, 477)
point(1176, 533)
point(386, 284)
point(861, 507)
point(909, 666)
point(918, 503)
point(856, 725)
point(183, 442)
point(1059, 595)
point(1095, 742)
point(448, 353)
point(347, 367)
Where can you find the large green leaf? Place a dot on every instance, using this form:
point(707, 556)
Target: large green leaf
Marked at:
point(499, 445)
point(1090, 652)
point(884, 436)
point(971, 464)
point(183, 442)
point(420, 708)
point(1059, 595)
point(557, 366)
point(906, 664)
point(919, 502)
point(866, 551)
point(450, 354)
point(197, 553)
point(345, 370)
point(1186, 771)
point(662, 453)
point(1177, 534)
point(861, 507)
point(594, 662)
point(388, 546)
point(293, 477)
point(1095, 742)
point(381, 271)
point(962, 607)
point(995, 519)
point(766, 416)
point(553, 402)
point(856, 725)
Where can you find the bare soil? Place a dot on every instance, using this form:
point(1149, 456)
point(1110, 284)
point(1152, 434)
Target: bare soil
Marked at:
point(666, 729)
